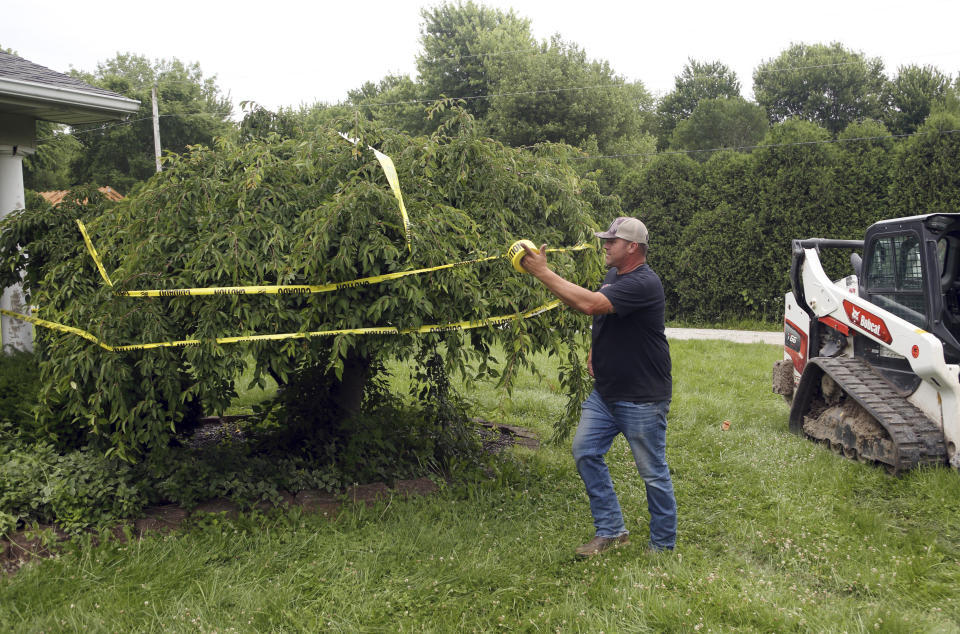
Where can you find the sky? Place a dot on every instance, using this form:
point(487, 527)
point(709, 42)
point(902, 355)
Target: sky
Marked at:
point(286, 53)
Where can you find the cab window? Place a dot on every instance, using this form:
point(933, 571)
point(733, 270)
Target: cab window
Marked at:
point(895, 277)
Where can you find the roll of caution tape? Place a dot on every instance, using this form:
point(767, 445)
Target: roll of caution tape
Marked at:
point(516, 253)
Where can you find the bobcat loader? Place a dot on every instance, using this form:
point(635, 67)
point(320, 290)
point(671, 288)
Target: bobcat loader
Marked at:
point(871, 362)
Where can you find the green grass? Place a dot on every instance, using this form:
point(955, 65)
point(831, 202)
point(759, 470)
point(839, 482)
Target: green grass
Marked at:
point(776, 534)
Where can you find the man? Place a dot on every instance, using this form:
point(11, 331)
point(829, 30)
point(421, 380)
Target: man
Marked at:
point(629, 360)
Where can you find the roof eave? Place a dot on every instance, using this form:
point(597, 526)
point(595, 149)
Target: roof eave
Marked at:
point(67, 99)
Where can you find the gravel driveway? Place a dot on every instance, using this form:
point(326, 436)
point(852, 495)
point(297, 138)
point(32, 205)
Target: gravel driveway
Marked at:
point(737, 336)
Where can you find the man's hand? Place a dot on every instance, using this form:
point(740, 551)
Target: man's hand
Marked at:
point(535, 263)
point(590, 363)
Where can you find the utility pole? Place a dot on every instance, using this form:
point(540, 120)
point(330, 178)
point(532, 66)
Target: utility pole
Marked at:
point(156, 127)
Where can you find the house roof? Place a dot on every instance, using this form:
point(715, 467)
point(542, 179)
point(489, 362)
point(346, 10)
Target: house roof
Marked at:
point(36, 91)
point(56, 197)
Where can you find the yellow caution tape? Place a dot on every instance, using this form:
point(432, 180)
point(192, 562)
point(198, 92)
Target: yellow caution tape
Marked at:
point(93, 253)
point(55, 326)
point(305, 289)
point(293, 289)
point(390, 171)
point(389, 330)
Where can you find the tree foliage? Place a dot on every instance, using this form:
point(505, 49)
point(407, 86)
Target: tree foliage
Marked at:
point(303, 210)
point(718, 124)
point(396, 101)
point(521, 92)
point(912, 95)
point(559, 95)
point(696, 82)
point(465, 50)
point(721, 230)
point(49, 168)
point(665, 195)
point(826, 84)
point(192, 111)
point(927, 181)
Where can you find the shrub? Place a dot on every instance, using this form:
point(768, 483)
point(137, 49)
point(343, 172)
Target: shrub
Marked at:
point(78, 490)
point(303, 210)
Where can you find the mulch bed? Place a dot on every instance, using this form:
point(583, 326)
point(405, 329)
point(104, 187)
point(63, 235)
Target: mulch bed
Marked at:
point(44, 541)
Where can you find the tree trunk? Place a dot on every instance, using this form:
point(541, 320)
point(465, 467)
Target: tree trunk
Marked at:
point(348, 394)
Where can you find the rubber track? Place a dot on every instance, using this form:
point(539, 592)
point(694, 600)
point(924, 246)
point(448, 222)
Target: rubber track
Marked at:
point(919, 441)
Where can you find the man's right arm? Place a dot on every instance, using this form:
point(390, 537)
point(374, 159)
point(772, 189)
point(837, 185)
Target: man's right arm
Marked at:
point(576, 297)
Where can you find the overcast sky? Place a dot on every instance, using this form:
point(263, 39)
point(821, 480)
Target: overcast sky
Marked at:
point(285, 53)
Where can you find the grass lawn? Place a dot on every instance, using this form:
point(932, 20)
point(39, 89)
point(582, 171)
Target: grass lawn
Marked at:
point(776, 534)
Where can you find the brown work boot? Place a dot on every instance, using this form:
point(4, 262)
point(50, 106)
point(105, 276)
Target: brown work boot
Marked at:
point(599, 544)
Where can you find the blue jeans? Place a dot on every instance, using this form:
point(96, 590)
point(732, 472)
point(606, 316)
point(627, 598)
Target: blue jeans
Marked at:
point(644, 425)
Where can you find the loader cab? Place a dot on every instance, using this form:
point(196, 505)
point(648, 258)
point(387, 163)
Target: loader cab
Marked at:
point(911, 268)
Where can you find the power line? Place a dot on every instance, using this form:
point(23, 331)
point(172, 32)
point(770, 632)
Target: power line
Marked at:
point(500, 54)
point(106, 126)
point(493, 95)
point(785, 70)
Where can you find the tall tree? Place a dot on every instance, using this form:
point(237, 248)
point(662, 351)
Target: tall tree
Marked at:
point(464, 46)
point(827, 84)
point(912, 94)
point(866, 160)
point(720, 123)
point(522, 92)
point(697, 81)
point(559, 95)
point(192, 111)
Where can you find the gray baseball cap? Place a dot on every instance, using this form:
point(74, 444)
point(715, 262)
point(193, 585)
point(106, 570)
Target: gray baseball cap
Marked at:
point(630, 229)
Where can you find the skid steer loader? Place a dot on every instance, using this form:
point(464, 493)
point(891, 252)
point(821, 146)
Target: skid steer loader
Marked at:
point(871, 362)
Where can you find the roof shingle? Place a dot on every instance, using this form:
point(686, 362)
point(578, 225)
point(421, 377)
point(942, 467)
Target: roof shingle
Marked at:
point(13, 67)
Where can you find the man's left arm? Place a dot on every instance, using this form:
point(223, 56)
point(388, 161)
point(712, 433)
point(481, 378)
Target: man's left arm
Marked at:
point(576, 297)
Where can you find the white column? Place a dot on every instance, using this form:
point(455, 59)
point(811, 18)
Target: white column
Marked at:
point(16, 333)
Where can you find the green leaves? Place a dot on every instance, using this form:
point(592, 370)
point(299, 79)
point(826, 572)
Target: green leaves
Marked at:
point(826, 84)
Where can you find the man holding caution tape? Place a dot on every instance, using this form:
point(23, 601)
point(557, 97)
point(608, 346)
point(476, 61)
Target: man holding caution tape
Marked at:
point(630, 362)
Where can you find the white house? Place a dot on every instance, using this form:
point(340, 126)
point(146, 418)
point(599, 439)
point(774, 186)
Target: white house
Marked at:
point(30, 92)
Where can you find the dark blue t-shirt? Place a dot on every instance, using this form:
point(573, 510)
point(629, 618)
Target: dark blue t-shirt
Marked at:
point(631, 357)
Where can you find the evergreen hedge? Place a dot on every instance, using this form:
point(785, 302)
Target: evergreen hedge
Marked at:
point(720, 230)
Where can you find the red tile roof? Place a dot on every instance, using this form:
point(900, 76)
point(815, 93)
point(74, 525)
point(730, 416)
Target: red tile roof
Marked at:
point(56, 197)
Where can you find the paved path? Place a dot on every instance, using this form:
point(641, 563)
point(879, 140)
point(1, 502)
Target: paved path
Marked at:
point(737, 336)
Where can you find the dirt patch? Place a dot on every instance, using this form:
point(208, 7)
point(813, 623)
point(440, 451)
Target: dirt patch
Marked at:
point(22, 546)
point(45, 541)
point(495, 436)
point(862, 423)
point(783, 377)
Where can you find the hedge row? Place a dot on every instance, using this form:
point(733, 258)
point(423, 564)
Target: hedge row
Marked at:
point(721, 229)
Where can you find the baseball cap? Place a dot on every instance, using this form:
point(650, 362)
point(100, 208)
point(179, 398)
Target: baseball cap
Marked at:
point(630, 229)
